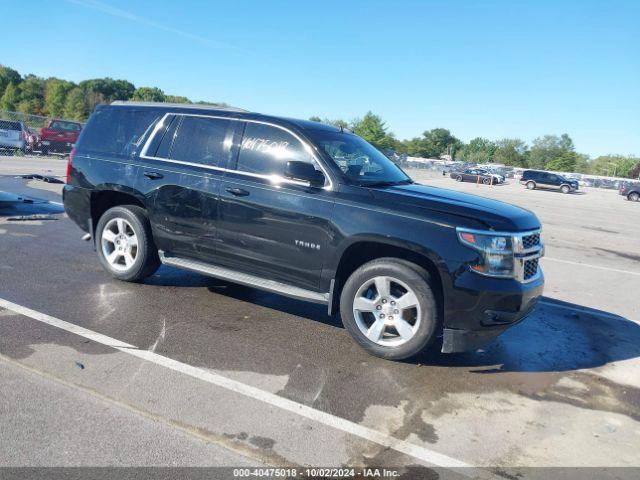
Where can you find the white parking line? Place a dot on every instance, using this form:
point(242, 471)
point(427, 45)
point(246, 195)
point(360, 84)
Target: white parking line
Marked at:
point(402, 446)
point(589, 265)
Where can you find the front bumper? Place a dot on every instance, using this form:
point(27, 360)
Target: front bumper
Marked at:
point(55, 145)
point(481, 308)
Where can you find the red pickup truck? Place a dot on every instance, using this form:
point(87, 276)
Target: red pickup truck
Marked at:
point(59, 136)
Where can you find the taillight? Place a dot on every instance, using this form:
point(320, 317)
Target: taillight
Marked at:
point(70, 164)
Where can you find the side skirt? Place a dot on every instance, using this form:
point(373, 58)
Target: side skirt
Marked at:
point(245, 279)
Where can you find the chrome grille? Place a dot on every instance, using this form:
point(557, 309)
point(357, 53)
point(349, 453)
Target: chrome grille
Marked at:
point(530, 268)
point(531, 241)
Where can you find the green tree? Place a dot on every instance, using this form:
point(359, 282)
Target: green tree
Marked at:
point(176, 99)
point(55, 95)
point(373, 130)
point(478, 150)
point(149, 94)
point(31, 95)
point(566, 162)
point(7, 76)
point(74, 105)
point(108, 89)
point(511, 151)
point(547, 148)
point(434, 143)
point(614, 165)
point(10, 98)
point(315, 118)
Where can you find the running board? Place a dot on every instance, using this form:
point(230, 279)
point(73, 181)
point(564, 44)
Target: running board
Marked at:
point(244, 279)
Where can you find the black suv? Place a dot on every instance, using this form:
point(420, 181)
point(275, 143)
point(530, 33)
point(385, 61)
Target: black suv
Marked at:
point(533, 179)
point(306, 210)
point(631, 190)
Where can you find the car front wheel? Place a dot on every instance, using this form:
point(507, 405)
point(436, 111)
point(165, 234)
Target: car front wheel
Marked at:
point(125, 244)
point(458, 178)
point(389, 308)
point(565, 189)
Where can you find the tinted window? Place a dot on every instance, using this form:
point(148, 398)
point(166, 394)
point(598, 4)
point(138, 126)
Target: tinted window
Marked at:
point(167, 138)
point(266, 149)
point(117, 131)
point(360, 161)
point(202, 140)
point(10, 125)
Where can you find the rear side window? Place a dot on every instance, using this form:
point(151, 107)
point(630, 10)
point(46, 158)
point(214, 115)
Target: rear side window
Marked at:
point(266, 149)
point(117, 131)
point(202, 140)
point(10, 125)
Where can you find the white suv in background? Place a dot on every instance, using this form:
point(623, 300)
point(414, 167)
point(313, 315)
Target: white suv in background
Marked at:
point(13, 135)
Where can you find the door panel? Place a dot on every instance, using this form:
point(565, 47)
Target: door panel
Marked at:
point(269, 226)
point(189, 159)
point(277, 231)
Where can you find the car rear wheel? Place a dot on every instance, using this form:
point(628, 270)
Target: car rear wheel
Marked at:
point(459, 178)
point(565, 189)
point(125, 244)
point(389, 308)
point(531, 185)
point(634, 196)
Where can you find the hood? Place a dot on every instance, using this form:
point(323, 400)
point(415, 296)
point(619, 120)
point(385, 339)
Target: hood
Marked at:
point(499, 216)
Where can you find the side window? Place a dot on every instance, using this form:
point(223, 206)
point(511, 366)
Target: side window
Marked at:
point(202, 140)
point(266, 149)
point(117, 131)
point(164, 148)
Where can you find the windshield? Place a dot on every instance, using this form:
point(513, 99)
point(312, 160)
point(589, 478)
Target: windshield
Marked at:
point(360, 161)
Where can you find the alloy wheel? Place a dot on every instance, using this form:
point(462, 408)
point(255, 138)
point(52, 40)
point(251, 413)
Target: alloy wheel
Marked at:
point(387, 311)
point(119, 244)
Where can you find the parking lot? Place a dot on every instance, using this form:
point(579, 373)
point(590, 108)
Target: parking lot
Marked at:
point(185, 370)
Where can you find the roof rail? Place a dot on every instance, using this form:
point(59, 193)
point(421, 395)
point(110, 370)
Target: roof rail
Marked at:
point(180, 105)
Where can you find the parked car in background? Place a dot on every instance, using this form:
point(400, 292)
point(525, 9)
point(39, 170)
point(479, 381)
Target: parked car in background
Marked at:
point(59, 136)
point(631, 190)
point(13, 135)
point(475, 175)
point(533, 179)
point(497, 177)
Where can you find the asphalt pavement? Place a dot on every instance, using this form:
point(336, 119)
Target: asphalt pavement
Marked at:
point(204, 372)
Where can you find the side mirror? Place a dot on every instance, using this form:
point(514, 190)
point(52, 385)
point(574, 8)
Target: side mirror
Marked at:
point(305, 172)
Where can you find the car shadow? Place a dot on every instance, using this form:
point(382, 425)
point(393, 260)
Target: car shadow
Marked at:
point(557, 337)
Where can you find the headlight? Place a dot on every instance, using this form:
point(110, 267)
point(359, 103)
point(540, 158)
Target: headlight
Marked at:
point(496, 252)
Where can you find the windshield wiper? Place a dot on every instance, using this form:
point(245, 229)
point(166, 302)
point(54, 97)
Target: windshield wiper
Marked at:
point(387, 183)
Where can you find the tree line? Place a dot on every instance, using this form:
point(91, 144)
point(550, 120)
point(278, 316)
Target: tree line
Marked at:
point(549, 152)
point(54, 97)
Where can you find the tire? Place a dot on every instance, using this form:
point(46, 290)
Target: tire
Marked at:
point(565, 189)
point(126, 223)
point(418, 320)
point(459, 178)
point(633, 196)
point(486, 181)
point(531, 185)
